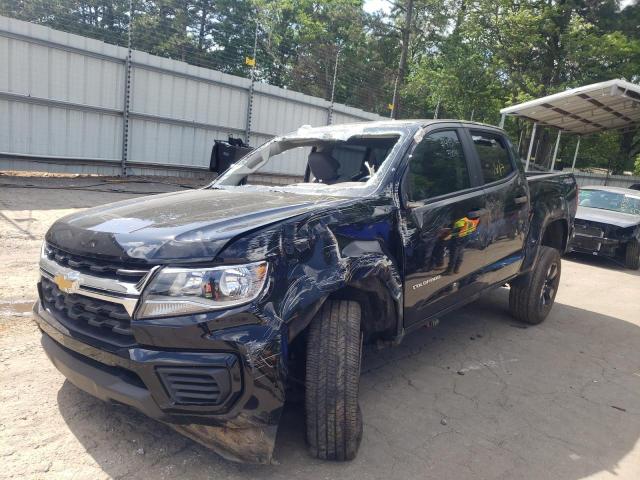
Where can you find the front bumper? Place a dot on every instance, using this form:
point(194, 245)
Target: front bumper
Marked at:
point(240, 423)
point(595, 245)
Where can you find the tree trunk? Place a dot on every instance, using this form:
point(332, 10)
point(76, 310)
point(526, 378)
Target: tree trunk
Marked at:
point(406, 34)
point(203, 23)
point(628, 148)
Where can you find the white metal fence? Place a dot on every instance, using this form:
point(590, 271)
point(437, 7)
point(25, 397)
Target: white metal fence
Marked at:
point(63, 108)
point(624, 181)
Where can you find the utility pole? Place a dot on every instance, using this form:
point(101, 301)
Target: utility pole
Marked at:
point(395, 91)
point(333, 87)
point(406, 33)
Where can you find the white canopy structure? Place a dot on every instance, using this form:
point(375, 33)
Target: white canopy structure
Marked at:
point(611, 105)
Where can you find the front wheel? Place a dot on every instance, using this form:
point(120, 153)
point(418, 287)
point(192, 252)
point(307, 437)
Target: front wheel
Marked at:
point(333, 418)
point(632, 255)
point(532, 296)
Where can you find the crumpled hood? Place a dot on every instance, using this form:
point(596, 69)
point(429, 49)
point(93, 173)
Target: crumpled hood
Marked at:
point(607, 216)
point(186, 226)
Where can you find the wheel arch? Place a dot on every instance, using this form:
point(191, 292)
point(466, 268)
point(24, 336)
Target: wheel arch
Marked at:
point(553, 233)
point(379, 294)
point(556, 235)
point(380, 310)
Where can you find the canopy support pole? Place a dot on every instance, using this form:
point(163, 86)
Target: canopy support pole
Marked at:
point(533, 136)
point(520, 140)
point(555, 150)
point(575, 155)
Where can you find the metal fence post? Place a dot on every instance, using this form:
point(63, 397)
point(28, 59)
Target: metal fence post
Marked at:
point(247, 130)
point(127, 97)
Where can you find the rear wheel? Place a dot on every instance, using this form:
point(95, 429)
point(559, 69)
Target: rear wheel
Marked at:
point(632, 255)
point(532, 296)
point(333, 418)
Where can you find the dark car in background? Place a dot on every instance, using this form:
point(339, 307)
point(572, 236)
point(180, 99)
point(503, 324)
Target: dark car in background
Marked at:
point(608, 224)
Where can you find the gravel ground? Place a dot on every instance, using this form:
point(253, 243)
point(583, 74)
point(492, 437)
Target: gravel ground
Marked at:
point(478, 397)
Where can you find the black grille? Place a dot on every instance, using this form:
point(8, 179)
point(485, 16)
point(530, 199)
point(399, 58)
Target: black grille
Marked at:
point(93, 266)
point(587, 243)
point(587, 228)
point(195, 385)
point(104, 321)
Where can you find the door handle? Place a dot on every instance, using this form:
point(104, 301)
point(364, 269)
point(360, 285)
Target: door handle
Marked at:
point(520, 200)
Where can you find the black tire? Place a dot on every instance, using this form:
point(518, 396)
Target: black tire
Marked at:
point(531, 297)
point(632, 255)
point(333, 418)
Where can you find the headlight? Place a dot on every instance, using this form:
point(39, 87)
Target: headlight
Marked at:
point(184, 291)
point(622, 234)
point(45, 250)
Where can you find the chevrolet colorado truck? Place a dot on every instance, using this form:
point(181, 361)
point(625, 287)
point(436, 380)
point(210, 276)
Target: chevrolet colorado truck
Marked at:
point(201, 308)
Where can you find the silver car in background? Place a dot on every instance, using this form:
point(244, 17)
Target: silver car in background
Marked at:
point(608, 224)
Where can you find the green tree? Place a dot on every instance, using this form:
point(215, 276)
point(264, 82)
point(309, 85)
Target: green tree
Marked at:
point(467, 59)
point(303, 38)
point(105, 20)
point(499, 52)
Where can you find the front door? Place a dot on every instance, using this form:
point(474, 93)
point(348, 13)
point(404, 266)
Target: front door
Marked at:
point(443, 210)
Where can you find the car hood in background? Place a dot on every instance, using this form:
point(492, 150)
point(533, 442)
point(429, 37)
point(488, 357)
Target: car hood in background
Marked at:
point(183, 226)
point(607, 216)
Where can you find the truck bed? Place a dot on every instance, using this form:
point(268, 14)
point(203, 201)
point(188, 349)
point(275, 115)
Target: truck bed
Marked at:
point(552, 196)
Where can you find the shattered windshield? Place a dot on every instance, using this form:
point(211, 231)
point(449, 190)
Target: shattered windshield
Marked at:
point(617, 202)
point(328, 161)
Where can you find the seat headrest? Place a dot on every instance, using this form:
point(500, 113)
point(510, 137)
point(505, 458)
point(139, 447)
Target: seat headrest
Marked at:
point(323, 166)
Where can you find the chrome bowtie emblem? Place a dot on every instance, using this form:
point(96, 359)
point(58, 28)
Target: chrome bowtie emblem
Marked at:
point(68, 282)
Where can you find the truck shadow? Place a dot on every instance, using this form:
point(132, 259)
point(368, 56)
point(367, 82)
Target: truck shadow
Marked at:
point(479, 396)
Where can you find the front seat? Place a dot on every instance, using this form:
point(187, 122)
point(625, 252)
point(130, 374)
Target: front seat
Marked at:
point(323, 167)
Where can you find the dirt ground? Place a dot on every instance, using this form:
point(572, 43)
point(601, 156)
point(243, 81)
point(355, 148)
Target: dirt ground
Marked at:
point(478, 397)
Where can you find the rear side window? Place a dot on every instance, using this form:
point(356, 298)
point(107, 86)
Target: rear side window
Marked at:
point(493, 153)
point(437, 167)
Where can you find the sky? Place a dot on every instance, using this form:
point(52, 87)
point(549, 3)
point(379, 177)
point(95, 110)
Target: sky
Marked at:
point(376, 5)
point(371, 6)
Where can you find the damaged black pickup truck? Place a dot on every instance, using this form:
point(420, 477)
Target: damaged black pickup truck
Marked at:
point(198, 308)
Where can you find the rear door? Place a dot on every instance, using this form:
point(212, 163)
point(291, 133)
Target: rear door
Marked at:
point(506, 190)
point(443, 204)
